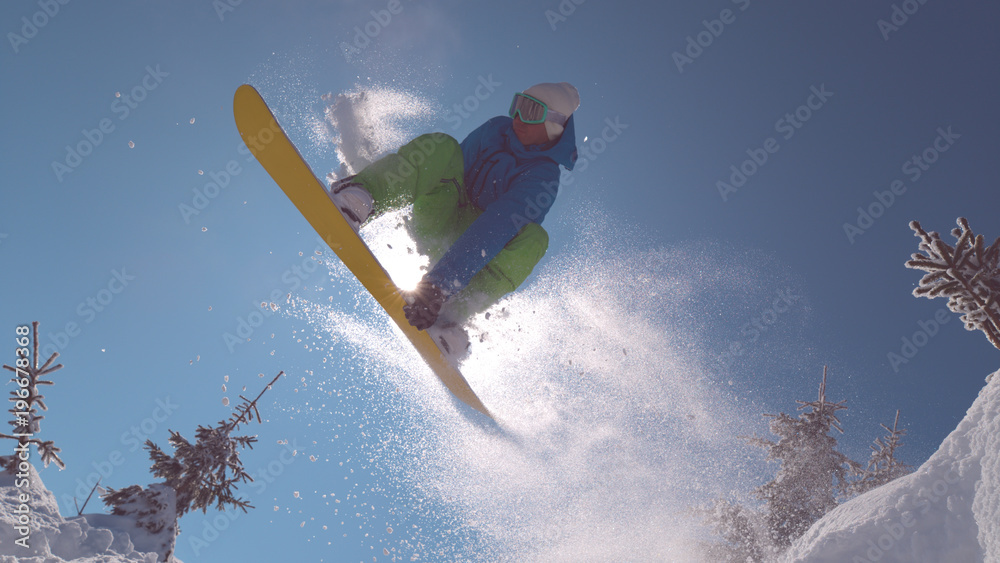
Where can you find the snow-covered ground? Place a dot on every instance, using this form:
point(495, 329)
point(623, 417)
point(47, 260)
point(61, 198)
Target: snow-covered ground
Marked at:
point(947, 511)
point(51, 538)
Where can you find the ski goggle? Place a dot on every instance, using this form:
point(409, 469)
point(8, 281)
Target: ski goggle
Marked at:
point(532, 110)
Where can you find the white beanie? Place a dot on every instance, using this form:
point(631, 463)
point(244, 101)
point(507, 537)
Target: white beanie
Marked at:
point(561, 97)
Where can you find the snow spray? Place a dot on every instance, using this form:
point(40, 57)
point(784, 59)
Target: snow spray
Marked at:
point(610, 426)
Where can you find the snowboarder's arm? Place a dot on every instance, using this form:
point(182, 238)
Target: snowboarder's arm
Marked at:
point(527, 201)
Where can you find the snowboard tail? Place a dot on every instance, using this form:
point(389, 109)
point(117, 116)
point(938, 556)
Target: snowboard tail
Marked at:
point(276, 153)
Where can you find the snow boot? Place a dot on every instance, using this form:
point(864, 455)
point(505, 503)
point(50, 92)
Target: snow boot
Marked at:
point(353, 201)
point(451, 338)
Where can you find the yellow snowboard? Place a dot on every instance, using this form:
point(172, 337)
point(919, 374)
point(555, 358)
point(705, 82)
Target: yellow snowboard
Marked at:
point(268, 142)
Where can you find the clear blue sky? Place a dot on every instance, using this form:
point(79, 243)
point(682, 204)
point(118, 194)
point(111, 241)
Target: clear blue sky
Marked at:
point(837, 104)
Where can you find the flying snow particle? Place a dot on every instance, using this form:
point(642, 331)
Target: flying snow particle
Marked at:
point(225, 401)
point(131, 144)
point(192, 121)
point(385, 551)
point(201, 172)
point(204, 229)
point(118, 94)
point(223, 387)
point(224, 377)
point(389, 529)
point(295, 494)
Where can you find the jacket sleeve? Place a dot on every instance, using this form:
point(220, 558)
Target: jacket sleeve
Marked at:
point(528, 201)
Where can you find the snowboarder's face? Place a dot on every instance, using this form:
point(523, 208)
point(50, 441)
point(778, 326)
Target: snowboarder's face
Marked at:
point(530, 134)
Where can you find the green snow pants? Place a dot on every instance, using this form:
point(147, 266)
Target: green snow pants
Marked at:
point(429, 173)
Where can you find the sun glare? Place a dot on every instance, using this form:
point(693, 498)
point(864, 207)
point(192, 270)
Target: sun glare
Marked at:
point(391, 244)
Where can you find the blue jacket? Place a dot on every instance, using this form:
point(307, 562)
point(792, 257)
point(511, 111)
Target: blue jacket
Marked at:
point(512, 184)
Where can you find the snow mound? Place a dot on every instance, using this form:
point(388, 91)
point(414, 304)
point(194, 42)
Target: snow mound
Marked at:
point(91, 538)
point(946, 511)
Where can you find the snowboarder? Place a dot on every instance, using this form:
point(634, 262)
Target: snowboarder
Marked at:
point(477, 206)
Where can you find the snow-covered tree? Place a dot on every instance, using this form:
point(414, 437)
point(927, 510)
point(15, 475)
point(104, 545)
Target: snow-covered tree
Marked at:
point(741, 531)
point(203, 473)
point(813, 474)
point(968, 274)
point(883, 465)
point(153, 511)
point(28, 375)
point(197, 476)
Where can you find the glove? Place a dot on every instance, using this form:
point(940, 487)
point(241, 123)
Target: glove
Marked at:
point(424, 304)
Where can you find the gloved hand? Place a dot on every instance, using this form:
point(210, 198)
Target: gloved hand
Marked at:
point(424, 304)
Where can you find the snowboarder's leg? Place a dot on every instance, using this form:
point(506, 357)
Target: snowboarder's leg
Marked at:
point(502, 275)
point(427, 172)
point(396, 179)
